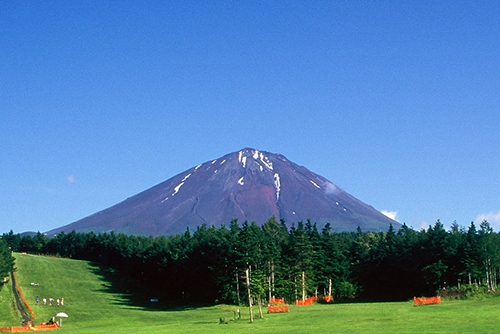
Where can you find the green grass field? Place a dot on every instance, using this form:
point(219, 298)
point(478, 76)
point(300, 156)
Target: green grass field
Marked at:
point(92, 308)
point(8, 312)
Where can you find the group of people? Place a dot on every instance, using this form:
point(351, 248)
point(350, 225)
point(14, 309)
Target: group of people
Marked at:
point(59, 302)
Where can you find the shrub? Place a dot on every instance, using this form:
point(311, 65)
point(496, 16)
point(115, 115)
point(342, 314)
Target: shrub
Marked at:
point(466, 292)
point(346, 290)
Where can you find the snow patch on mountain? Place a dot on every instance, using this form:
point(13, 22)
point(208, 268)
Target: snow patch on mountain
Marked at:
point(277, 185)
point(265, 161)
point(176, 189)
point(314, 184)
point(259, 157)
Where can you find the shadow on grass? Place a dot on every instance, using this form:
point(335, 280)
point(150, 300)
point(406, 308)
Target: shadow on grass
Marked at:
point(135, 294)
point(130, 292)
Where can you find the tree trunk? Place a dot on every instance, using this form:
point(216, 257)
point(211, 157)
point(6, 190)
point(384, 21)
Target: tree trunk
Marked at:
point(295, 284)
point(247, 272)
point(303, 287)
point(238, 287)
point(495, 279)
point(269, 281)
point(272, 279)
point(259, 302)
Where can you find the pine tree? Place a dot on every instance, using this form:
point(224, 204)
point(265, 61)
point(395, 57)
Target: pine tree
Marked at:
point(488, 254)
point(6, 260)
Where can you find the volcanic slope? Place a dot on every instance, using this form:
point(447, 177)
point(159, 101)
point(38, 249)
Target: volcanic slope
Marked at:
point(248, 185)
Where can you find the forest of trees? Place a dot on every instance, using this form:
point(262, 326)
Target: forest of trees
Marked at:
point(6, 261)
point(214, 264)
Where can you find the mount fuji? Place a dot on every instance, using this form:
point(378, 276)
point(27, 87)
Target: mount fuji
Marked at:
point(247, 185)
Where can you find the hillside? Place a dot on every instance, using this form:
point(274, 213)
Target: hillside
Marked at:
point(92, 303)
point(8, 313)
point(92, 308)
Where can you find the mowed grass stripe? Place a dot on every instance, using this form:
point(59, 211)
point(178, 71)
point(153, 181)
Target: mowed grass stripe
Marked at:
point(93, 309)
point(75, 281)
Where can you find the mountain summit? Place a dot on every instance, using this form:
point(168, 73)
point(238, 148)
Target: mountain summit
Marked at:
point(248, 185)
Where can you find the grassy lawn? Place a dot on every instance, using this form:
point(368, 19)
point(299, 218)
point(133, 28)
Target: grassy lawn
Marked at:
point(92, 308)
point(8, 312)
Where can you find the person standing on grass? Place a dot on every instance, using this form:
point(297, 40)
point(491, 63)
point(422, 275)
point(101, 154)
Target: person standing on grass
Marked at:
point(62, 301)
point(44, 301)
point(36, 300)
point(50, 301)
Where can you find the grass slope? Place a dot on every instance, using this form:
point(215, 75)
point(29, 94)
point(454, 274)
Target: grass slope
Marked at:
point(92, 308)
point(8, 312)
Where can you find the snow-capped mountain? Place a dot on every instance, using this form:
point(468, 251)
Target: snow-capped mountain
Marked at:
point(248, 185)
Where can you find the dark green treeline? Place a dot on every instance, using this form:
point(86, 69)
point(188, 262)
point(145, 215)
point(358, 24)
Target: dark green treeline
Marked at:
point(6, 261)
point(211, 263)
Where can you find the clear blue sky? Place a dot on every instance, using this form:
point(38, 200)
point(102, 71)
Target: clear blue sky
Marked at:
point(396, 102)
